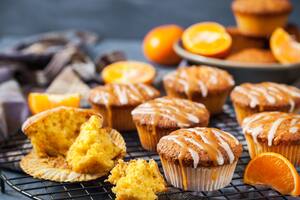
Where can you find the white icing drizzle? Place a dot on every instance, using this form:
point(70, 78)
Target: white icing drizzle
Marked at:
point(269, 91)
point(147, 89)
point(198, 131)
point(270, 98)
point(121, 93)
point(224, 145)
point(274, 120)
point(255, 132)
point(171, 109)
point(184, 78)
point(203, 88)
point(253, 99)
point(273, 130)
point(193, 153)
point(293, 128)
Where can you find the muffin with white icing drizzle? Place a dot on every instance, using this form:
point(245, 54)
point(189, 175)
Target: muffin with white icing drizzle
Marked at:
point(116, 101)
point(159, 117)
point(250, 98)
point(203, 84)
point(273, 132)
point(199, 159)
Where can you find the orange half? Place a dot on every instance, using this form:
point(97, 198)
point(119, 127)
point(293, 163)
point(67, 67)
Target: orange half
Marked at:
point(284, 47)
point(207, 39)
point(273, 170)
point(126, 72)
point(39, 102)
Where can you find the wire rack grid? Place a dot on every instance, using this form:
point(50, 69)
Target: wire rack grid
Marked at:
point(11, 152)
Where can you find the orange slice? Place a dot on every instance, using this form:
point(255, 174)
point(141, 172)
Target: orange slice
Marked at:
point(39, 102)
point(273, 170)
point(126, 72)
point(208, 39)
point(284, 47)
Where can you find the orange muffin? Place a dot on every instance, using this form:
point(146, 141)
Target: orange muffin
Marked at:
point(241, 42)
point(159, 117)
point(203, 84)
point(260, 18)
point(116, 101)
point(273, 132)
point(199, 159)
point(250, 98)
point(253, 55)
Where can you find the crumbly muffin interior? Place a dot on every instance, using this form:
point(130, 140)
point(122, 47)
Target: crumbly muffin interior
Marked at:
point(93, 150)
point(56, 133)
point(137, 179)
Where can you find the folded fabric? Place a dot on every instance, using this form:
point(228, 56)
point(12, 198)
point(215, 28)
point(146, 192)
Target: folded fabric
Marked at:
point(69, 82)
point(13, 109)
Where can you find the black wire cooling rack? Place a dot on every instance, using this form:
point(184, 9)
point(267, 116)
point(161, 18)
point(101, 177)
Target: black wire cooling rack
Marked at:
point(12, 151)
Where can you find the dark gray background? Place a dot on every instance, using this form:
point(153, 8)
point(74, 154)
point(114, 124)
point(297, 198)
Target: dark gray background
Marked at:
point(112, 18)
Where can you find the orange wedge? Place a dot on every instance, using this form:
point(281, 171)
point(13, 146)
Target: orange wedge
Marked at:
point(284, 47)
point(39, 102)
point(126, 72)
point(207, 39)
point(273, 170)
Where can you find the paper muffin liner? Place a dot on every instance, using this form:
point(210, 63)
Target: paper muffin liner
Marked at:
point(150, 136)
point(116, 117)
point(57, 169)
point(200, 178)
point(291, 152)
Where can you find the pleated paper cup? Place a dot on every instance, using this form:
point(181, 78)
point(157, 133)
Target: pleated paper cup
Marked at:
point(200, 178)
point(290, 151)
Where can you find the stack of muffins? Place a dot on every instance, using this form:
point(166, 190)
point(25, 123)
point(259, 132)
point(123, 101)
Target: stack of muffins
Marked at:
point(256, 22)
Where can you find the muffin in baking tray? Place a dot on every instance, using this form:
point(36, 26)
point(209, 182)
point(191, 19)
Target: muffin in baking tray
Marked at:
point(203, 84)
point(250, 98)
point(253, 55)
point(161, 116)
point(259, 18)
point(273, 132)
point(116, 101)
point(199, 159)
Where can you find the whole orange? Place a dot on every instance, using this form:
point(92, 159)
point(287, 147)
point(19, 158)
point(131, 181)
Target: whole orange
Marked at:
point(158, 44)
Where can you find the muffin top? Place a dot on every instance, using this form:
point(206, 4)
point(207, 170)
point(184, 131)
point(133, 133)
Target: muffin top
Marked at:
point(273, 128)
point(122, 94)
point(203, 79)
point(170, 113)
point(266, 95)
point(196, 147)
point(262, 7)
point(253, 55)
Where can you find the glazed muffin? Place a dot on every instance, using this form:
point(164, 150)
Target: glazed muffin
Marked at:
point(273, 132)
point(253, 55)
point(207, 85)
point(199, 159)
point(161, 116)
point(260, 18)
point(250, 98)
point(116, 101)
point(241, 42)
